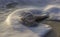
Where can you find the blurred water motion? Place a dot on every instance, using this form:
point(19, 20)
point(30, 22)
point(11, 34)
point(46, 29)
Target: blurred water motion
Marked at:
point(51, 6)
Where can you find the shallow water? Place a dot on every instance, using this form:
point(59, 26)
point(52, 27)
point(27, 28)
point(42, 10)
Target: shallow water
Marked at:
point(51, 6)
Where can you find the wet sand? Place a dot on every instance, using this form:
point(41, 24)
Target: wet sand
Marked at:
point(56, 29)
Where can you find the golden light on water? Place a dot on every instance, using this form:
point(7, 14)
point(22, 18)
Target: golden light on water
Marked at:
point(51, 6)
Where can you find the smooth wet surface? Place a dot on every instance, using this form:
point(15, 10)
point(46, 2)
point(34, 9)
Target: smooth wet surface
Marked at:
point(45, 4)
